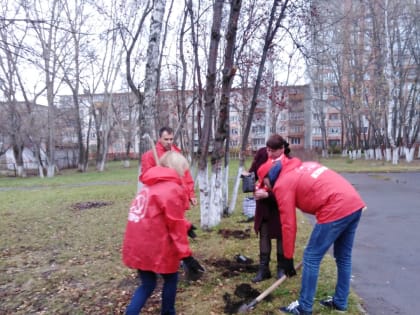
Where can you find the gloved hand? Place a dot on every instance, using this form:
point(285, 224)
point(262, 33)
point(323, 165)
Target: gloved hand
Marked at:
point(191, 232)
point(193, 269)
point(289, 268)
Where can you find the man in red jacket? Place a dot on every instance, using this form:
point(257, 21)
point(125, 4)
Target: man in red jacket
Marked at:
point(317, 190)
point(166, 143)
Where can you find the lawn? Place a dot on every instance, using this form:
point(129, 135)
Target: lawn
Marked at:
point(61, 238)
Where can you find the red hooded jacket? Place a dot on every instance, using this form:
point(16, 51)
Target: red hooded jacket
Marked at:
point(314, 189)
point(148, 161)
point(156, 234)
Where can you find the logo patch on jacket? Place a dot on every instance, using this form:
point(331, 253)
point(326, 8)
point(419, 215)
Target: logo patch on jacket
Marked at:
point(138, 206)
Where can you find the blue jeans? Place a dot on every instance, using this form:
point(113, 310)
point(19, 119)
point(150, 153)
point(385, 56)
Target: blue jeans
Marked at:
point(341, 233)
point(148, 284)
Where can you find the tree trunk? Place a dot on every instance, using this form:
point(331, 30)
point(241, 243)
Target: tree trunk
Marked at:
point(208, 215)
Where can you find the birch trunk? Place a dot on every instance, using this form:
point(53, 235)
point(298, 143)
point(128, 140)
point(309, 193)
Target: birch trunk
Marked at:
point(208, 215)
point(409, 154)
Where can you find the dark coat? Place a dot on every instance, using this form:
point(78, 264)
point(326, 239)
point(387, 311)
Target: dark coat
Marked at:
point(266, 209)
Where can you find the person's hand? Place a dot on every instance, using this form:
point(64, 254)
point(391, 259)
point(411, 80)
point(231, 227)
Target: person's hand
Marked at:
point(289, 268)
point(260, 194)
point(193, 201)
point(191, 232)
point(193, 269)
point(245, 173)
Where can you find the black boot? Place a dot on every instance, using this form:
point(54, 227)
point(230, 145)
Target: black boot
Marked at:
point(280, 270)
point(264, 270)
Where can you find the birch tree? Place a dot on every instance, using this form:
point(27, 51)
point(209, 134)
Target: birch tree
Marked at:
point(209, 216)
point(219, 183)
point(148, 110)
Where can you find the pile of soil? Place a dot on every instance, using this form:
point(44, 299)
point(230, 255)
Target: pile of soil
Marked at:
point(89, 205)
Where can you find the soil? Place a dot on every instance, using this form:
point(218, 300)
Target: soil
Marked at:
point(240, 234)
point(89, 205)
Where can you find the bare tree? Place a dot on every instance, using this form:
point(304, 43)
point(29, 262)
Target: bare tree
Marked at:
point(51, 40)
point(220, 151)
point(11, 52)
point(209, 219)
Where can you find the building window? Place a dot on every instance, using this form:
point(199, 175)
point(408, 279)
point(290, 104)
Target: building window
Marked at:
point(258, 141)
point(317, 143)
point(282, 129)
point(234, 131)
point(294, 140)
point(334, 130)
point(334, 143)
point(316, 131)
point(334, 116)
point(295, 129)
point(258, 129)
point(283, 116)
point(296, 115)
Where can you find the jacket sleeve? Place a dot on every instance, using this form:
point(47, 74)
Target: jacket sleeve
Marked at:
point(287, 210)
point(189, 184)
point(147, 162)
point(176, 223)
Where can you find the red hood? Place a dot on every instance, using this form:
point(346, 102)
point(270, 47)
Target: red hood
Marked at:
point(289, 165)
point(158, 174)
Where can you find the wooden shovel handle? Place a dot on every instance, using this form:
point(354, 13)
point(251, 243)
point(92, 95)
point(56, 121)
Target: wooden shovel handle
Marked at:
point(270, 289)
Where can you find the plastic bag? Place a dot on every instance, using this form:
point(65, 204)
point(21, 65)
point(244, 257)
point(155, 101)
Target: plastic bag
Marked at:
point(248, 206)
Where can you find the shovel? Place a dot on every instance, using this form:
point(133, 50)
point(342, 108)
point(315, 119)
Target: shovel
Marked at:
point(247, 307)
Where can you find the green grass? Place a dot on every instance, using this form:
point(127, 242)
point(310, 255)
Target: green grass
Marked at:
point(58, 259)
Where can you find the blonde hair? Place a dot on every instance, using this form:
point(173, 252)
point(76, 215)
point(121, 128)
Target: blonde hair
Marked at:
point(176, 161)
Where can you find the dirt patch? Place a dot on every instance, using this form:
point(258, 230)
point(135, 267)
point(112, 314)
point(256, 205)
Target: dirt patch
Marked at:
point(239, 234)
point(89, 205)
point(233, 268)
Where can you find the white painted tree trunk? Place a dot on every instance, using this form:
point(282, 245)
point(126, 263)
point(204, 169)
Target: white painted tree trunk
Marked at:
point(395, 156)
point(40, 171)
point(359, 154)
point(205, 194)
point(216, 204)
point(344, 153)
point(378, 154)
point(20, 171)
point(236, 188)
point(388, 154)
point(409, 154)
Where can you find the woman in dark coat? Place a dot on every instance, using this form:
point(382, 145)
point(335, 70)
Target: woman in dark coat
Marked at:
point(266, 220)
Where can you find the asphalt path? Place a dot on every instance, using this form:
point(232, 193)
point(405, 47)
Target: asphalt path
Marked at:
point(386, 254)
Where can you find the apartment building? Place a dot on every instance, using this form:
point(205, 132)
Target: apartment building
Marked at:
point(291, 117)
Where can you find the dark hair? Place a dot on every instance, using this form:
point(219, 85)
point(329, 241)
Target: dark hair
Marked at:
point(169, 130)
point(275, 141)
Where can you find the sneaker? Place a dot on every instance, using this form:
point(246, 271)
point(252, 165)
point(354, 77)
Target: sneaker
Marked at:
point(329, 303)
point(294, 308)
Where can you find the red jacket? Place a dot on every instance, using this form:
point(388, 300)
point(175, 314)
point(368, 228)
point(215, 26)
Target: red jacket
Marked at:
point(314, 189)
point(156, 233)
point(148, 161)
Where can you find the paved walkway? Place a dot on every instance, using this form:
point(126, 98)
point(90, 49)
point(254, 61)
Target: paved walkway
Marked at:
point(386, 256)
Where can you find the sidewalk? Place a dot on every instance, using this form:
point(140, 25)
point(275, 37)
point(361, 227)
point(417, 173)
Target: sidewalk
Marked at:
point(386, 256)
